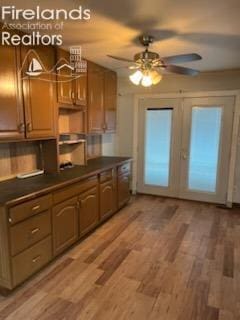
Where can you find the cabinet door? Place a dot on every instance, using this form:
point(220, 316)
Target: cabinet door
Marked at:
point(11, 105)
point(80, 89)
point(89, 212)
point(65, 225)
point(95, 98)
point(39, 92)
point(123, 189)
point(107, 196)
point(110, 100)
point(64, 84)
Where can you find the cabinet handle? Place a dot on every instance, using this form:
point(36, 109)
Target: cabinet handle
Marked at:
point(72, 95)
point(34, 260)
point(36, 208)
point(10, 220)
point(21, 127)
point(35, 231)
point(29, 127)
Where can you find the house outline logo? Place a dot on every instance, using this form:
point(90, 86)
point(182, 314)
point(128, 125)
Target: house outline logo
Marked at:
point(65, 65)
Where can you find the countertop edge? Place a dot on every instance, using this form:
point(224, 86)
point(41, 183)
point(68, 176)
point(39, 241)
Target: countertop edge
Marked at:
point(60, 185)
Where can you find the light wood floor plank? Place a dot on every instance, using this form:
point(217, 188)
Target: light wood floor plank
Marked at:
point(157, 259)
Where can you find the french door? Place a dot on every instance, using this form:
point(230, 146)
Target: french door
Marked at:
point(184, 147)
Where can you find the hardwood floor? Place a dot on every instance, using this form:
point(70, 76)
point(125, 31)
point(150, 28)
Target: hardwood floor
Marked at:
point(156, 259)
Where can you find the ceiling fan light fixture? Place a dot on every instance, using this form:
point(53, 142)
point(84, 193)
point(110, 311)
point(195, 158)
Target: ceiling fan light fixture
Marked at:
point(136, 77)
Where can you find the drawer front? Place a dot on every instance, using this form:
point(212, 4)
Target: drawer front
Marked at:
point(124, 168)
point(74, 189)
point(106, 175)
point(26, 233)
point(31, 260)
point(29, 208)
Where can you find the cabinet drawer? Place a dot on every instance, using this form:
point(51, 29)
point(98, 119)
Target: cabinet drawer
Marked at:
point(29, 208)
point(124, 168)
point(31, 260)
point(106, 175)
point(26, 233)
point(74, 189)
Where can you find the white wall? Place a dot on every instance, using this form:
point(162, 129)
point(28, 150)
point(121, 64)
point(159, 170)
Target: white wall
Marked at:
point(209, 81)
point(109, 144)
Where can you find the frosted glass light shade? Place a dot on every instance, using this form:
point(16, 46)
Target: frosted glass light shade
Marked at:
point(136, 77)
point(156, 77)
point(147, 81)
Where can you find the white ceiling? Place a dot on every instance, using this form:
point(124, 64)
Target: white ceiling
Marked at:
point(208, 27)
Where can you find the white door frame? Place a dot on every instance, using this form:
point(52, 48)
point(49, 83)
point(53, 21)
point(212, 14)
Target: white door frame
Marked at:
point(236, 121)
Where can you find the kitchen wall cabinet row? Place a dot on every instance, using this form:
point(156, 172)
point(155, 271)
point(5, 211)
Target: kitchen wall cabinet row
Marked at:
point(95, 90)
point(28, 103)
point(35, 231)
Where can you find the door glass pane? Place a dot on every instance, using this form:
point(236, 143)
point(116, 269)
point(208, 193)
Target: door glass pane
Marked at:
point(157, 146)
point(204, 146)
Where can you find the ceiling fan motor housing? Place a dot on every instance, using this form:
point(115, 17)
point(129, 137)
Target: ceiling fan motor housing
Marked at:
point(146, 56)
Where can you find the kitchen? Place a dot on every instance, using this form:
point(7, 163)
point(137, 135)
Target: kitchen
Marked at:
point(119, 162)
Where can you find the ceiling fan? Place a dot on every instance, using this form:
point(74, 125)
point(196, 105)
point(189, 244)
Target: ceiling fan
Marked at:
point(149, 64)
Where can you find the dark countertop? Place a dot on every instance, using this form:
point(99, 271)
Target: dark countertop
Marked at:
point(16, 190)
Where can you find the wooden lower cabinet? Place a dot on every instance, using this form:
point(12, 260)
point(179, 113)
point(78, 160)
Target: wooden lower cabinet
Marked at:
point(88, 210)
point(123, 189)
point(34, 231)
point(65, 225)
point(31, 260)
point(107, 197)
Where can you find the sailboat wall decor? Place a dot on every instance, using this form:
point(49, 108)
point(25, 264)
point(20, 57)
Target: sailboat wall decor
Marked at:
point(35, 68)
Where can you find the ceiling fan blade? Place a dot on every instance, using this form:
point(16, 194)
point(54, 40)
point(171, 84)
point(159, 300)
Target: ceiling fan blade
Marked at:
point(181, 58)
point(181, 70)
point(119, 58)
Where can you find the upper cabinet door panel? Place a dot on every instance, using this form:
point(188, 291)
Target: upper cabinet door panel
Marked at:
point(11, 107)
point(95, 98)
point(39, 91)
point(110, 100)
point(80, 92)
point(65, 84)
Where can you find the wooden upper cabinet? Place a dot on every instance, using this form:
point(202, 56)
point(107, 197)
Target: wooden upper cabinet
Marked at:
point(80, 90)
point(95, 98)
point(11, 105)
point(64, 86)
point(110, 100)
point(39, 92)
point(72, 86)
